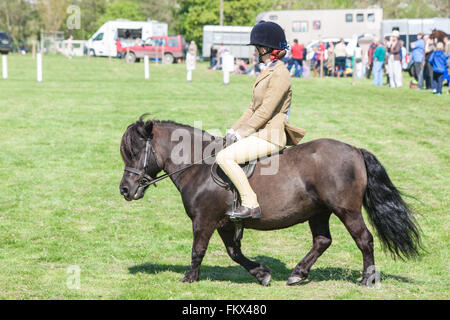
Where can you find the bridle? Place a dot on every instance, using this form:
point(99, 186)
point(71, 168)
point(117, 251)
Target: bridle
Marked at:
point(145, 179)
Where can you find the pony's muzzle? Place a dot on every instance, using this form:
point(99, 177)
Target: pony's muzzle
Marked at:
point(124, 191)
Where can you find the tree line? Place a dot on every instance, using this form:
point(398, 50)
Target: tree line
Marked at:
point(24, 20)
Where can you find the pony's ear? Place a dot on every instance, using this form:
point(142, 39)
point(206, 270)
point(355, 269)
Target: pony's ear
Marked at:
point(144, 128)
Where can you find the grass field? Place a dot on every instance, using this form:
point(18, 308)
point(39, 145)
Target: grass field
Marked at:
point(60, 169)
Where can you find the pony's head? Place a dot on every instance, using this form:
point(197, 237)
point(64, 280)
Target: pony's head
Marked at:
point(140, 159)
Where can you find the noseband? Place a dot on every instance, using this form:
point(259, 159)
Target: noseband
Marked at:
point(144, 179)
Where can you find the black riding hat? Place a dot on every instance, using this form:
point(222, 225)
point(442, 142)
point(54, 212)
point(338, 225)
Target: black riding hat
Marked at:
point(268, 34)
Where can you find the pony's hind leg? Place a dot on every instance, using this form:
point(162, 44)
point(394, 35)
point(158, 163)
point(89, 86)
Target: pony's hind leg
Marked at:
point(353, 221)
point(319, 225)
point(259, 271)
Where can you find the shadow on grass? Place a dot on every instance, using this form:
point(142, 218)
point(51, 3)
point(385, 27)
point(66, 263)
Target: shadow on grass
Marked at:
point(238, 274)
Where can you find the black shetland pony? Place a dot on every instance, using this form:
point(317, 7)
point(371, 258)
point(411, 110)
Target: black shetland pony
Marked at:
point(314, 180)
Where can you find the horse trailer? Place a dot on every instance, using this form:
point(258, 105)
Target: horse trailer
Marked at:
point(234, 38)
point(309, 25)
point(409, 28)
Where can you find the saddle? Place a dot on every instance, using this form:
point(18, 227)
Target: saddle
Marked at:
point(222, 180)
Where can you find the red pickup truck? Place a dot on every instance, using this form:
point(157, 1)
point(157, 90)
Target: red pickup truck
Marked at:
point(173, 47)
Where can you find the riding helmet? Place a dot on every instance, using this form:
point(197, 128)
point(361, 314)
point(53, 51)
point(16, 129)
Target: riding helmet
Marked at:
point(268, 34)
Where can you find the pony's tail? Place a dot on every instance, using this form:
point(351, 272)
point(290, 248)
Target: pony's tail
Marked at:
point(389, 214)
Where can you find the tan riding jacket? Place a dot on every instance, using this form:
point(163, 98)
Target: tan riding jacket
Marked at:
point(266, 117)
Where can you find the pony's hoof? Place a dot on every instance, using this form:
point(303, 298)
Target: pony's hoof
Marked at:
point(369, 283)
point(265, 281)
point(188, 279)
point(294, 280)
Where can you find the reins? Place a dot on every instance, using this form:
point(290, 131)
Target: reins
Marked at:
point(146, 180)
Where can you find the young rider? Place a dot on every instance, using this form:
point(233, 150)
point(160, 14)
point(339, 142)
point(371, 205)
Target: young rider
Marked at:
point(263, 127)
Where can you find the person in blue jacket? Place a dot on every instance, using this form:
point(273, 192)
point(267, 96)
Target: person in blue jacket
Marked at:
point(417, 57)
point(438, 61)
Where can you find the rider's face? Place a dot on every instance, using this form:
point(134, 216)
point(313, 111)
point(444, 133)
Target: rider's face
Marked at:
point(260, 51)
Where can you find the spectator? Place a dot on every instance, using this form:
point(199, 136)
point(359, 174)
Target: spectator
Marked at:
point(305, 54)
point(387, 40)
point(395, 66)
point(119, 48)
point(220, 53)
point(447, 52)
point(446, 45)
point(370, 59)
point(438, 61)
point(290, 63)
point(403, 55)
point(340, 53)
point(254, 68)
point(315, 63)
point(358, 62)
point(297, 58)
point(192, 49)
point(428, 69)
point(212, 57)
point(191, 58)
point(241, 67)
point(378, 61)
point(70, 47)
point(321, 57)
point(306, 72)
point(329, 65)
point(417, 57)
point(22, 49)
point(331, 45)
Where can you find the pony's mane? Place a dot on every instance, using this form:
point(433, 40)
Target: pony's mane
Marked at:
point(132, 134)
point(174, 124)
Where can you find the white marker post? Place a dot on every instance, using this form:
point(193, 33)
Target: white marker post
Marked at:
point(39, 66)
point(4, 66)
point(226, 77)
point(190, 65)
point(227, 67)
point(146, 68)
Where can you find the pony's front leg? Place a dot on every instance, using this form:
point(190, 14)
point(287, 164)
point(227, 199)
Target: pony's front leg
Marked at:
point(203, 231)
point(259, 271)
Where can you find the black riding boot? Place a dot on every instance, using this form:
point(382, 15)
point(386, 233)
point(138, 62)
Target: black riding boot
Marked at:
point(244, 212)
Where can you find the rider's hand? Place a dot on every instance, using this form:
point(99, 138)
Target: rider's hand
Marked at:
point(231, 137)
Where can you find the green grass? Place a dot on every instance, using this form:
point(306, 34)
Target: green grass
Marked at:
point(60, 169)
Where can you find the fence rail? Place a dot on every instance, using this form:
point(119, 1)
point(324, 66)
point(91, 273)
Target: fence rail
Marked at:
point(52, 46)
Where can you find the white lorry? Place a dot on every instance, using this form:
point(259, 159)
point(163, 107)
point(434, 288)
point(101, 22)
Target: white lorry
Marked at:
point(103, 41)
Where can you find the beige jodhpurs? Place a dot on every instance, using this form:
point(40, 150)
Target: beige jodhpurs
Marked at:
point(244, 150)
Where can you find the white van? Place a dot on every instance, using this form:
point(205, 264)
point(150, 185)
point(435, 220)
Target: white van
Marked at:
point(103, 42)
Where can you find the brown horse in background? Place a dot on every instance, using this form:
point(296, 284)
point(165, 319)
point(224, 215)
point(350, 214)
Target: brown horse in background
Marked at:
point(438, 34)
point(314, 180)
